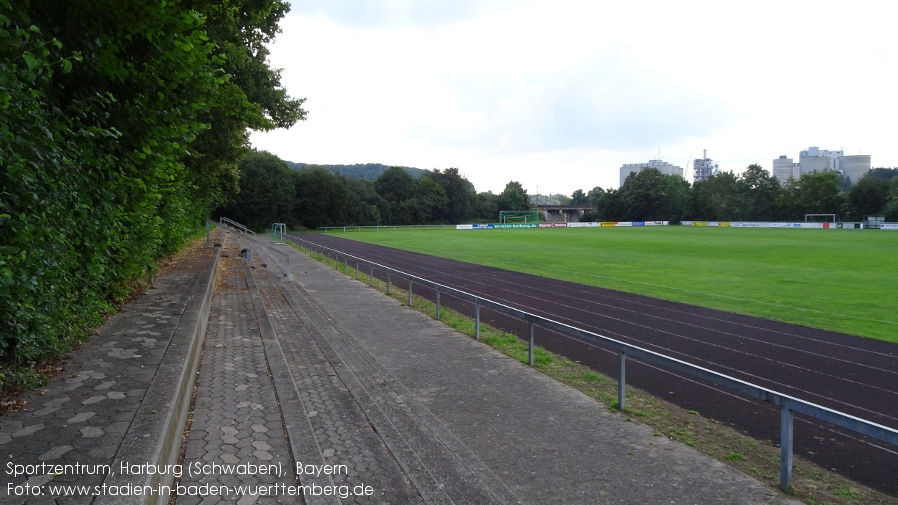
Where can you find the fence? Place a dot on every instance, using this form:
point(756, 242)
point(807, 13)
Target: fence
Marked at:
point(788, 404)
point(345, 229)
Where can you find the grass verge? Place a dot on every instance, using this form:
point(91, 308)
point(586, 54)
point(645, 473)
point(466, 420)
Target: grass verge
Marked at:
point(760, 459)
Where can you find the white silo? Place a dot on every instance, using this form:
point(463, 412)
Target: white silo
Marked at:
point(855, 166)
point(811, 164)
point(782, 169)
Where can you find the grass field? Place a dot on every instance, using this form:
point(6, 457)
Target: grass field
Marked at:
point(841, 280)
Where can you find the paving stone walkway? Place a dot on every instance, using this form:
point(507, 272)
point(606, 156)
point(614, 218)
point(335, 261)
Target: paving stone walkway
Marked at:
point(236, 418)
point(320, 390)
point(72, 432)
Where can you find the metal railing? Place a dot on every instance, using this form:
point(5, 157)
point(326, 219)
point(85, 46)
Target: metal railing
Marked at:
point(788, 404)
point(238, 226)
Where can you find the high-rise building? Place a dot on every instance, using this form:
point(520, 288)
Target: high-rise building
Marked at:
point(662, 166)
point(783, 168)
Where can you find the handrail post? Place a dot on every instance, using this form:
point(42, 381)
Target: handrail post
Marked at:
point(530, 351)
point(477, 319)
point(409, 291)
point(786, 422)
point(388, 282)
point(622, 380)
point(357, 270)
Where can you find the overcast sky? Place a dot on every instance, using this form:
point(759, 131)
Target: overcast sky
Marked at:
point(558, 94)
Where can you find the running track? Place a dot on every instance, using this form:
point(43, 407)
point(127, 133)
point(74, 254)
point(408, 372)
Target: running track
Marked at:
point(851, 374)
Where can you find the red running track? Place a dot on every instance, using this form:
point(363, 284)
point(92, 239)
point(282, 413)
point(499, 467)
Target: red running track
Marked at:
point(851, 374)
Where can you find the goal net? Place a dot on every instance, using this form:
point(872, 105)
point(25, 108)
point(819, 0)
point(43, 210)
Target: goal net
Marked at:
point(518, 216)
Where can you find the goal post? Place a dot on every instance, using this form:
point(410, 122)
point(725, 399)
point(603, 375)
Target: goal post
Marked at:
point(821, 218)
point(518, 216)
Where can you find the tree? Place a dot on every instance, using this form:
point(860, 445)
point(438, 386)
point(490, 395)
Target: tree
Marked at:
point(459, 192)
point(886, 174)
point(513, 197)
point(578, 197)
point(595, 194)
point(788, 207)
point(819, 193)
point(267, 192)
point(431, 198)
point(124, 123)
point(365, 206)
point(868, 197)
point(397, 187)
point(756, 192)
point(891, 210)
point(320, 198)
point(714, 198)
point(610, 206)
point(652, 196)
point(486, 207)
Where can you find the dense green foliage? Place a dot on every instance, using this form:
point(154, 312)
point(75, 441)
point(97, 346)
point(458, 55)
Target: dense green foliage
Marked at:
point(263, 196)
point(842, 280)
point(322, 198)
point(513, 197)
point(121, 125)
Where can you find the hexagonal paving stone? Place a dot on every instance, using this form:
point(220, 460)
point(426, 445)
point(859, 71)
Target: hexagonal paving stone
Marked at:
point(92, 432)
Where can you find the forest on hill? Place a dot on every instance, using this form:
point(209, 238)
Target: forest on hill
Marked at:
point(366, 171)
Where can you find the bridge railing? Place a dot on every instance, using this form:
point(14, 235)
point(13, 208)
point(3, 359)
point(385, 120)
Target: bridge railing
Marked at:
point(788, 404)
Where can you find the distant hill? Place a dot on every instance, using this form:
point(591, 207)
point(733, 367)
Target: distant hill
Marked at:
point(367, 171)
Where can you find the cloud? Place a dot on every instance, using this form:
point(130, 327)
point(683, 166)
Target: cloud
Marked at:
point(503, 89)
point(601, 103)
point(395, 14)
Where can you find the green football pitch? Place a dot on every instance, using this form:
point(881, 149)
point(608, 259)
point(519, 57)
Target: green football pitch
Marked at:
point(841, 280)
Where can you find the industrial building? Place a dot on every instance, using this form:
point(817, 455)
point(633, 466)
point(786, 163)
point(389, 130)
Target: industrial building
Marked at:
point(815, 159)
point(662, 166)
point(704, 167)
point(854, 166)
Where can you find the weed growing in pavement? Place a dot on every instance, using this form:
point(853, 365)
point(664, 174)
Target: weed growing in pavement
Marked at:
point(758, 458)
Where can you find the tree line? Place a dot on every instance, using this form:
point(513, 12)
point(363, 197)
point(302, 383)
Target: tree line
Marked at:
point(754, 195)
point(121, 127)
point(313, 197)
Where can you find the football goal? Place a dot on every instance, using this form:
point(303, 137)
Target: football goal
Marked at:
point(821, 218)
point(518, 216)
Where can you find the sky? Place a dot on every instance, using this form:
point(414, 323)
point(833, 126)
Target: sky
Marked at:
point(558, 94)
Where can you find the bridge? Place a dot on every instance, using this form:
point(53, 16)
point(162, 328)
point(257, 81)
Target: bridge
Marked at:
point(564, 213)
